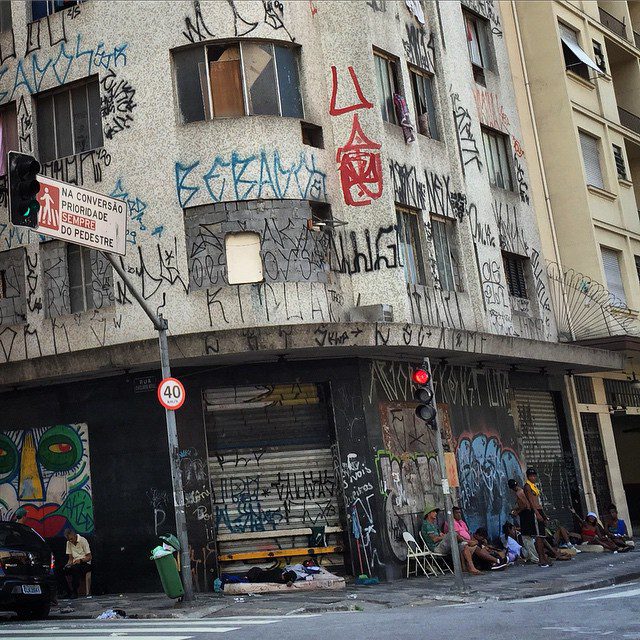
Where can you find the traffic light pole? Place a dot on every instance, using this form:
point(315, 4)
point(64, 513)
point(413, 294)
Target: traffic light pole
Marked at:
point(161, 325)
point(448, 504)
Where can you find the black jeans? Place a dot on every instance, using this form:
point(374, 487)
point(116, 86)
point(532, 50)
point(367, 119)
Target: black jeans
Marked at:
point(77, 571)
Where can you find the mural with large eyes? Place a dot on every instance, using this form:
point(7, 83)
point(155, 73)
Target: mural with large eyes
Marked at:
point(46, 471)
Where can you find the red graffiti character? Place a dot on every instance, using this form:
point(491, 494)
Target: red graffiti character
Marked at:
point(338, 111)
point(360, 167)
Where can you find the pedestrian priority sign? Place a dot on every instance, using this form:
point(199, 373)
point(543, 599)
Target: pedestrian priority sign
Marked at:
point(81, 217)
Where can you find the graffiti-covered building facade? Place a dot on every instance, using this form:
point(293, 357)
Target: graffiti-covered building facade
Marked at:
point(320, 195)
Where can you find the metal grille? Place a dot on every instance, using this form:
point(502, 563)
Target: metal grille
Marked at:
point(542, 448)
point(271, 469)
point(621, 392)
point(617, 26)
point(584, 390)
point(514, 272)
point(597, 462)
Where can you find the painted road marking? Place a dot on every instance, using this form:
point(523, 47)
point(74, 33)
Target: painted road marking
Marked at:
point(620, 594)
point(568, 594)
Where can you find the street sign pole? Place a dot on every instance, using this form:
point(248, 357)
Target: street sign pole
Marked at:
point(448, 504)
point(161, 325)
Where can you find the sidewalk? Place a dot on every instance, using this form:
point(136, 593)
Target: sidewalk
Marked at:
point(586, 571)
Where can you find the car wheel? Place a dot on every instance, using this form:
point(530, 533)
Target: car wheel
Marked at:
point(39, 612)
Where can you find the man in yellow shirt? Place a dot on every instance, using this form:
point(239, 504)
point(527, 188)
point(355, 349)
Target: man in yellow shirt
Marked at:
point(79, 559)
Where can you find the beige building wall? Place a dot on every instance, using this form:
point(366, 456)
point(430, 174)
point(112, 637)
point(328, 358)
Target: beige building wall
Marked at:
point(557, 103)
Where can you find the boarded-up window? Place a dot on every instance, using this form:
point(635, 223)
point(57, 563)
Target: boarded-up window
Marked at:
point(613, 276)
point(591, 158)
point(244, 264)
point(247, 78)
point(225, 75)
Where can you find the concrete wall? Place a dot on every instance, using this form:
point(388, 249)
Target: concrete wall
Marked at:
point(252, 164)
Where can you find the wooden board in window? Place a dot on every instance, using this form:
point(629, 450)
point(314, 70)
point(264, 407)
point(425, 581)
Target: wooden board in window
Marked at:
point(226, 84)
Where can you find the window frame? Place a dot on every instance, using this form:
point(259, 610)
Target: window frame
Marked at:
point(615, 298)
point(208, 97)
point(492, 135)
point(482, 32)
point(10, 108)
point(68, 89)
point(449, 261)
point(415, 273)
point(52, 7)
point(572, 61)
point(392, 70)
point(84, 255)
point(6, 17)
point(3, 284)
point(520, 286)
point(585, 135)
point(619, 161)
point(414, 74)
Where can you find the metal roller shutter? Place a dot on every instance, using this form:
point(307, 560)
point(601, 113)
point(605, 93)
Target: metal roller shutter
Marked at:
point(538, 428)
point(271, 469)
point(613, 274)
point(591, 158)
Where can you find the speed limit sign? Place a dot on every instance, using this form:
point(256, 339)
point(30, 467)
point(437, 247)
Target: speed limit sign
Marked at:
point(171, 394)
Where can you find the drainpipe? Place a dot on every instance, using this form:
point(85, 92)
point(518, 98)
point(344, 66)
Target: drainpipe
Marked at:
point(545, 186)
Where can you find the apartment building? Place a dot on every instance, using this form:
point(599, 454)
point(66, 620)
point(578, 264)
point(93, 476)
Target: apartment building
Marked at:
point(320, 195)
point(579, 71)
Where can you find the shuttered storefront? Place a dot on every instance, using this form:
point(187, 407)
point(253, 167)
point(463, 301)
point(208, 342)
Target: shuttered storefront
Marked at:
point(538, 428)
point(272, 473)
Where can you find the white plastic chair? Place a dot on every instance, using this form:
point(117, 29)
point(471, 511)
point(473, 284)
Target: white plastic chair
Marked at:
point(438, 559)
point(416, 553)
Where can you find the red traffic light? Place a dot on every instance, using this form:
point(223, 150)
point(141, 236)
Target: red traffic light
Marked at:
point(420, 376)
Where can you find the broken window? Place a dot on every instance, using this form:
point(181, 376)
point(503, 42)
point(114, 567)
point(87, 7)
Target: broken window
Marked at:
point(422, 84)
point(68, 120)
point(236, 79)
point(244, 262)
point(43, 8)
point(386, 73)
point(478, 39)
point(8, 134)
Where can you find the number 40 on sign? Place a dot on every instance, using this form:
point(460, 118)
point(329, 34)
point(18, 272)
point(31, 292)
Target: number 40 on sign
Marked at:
point(171, 394)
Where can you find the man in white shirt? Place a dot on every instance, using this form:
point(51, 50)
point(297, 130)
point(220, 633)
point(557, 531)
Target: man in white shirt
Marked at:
point(79, 559)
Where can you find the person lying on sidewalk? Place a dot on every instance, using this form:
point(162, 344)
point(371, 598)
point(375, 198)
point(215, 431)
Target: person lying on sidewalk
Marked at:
point(482, 556)
point(440, 542)
point(614, 526)
point(559, 536)
point(593, 533)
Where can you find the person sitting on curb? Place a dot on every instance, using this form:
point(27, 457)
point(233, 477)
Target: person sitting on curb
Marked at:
point(616, 527)
point(481, 536)
point(440, 543)
point(487, 560)
point(593, 533)
point(515, 551)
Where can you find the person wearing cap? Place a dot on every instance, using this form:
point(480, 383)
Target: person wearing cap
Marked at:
point(438, 542)
point(532, 520)
point(593, 533)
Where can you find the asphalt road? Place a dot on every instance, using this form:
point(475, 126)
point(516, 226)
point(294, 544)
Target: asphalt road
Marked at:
point(613, 611)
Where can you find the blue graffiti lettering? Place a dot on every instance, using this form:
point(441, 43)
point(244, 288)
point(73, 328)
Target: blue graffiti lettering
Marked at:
point(255, 176)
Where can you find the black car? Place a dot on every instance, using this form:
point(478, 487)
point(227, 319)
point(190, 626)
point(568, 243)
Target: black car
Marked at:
point(27, 581)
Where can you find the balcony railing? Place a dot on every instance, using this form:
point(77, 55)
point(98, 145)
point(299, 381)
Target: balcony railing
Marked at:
point(636, 37)
point(611, 22)
point(629, 120)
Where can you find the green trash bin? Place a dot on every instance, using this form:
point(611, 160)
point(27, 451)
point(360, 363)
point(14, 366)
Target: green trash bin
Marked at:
point(169, 576)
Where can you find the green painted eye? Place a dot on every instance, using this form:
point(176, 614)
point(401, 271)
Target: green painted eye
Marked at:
point(8, 458)
point(60, 448)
